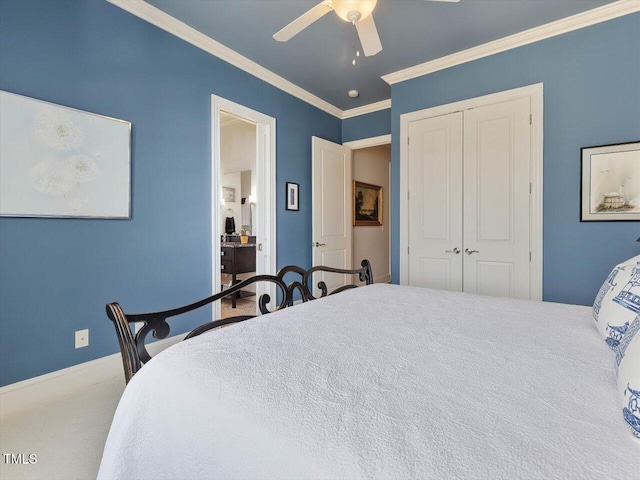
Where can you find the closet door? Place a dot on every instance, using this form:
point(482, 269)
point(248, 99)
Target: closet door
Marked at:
point(497, 158)
point(435, 202)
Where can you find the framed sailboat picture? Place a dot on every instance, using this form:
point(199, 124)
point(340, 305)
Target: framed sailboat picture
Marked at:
point(610, 183)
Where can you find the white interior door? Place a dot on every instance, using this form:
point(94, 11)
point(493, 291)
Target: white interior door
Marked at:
point(435, 202)
point(332, 210)
point(497, 161)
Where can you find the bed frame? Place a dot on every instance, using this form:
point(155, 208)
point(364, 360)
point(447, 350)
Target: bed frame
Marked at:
point(133, 348)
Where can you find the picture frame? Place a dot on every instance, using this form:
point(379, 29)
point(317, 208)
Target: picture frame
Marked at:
point(60, 162)
point(229, 194)
point(610, 183)
point(367, 204)
point(293, 196)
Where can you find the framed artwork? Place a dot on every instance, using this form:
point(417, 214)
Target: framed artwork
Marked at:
point(229, 194)
point(61, 162)
point(293, 196)
point(367, 204)
point(610, 188)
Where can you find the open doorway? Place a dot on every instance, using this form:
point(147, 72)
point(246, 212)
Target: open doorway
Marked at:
point(372, 238)
point(363, 231)
point(238, 201)
point(243, 204)
point(371, 165)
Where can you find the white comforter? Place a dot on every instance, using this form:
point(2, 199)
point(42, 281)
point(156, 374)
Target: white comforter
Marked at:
point(381, 382)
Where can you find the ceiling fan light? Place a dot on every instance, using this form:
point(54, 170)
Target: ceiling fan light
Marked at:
point(344, 8)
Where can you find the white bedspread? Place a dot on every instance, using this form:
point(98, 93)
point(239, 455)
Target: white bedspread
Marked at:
point(381, 382)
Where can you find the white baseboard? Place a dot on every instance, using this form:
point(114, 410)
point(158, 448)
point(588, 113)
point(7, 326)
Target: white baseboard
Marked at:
point(38, 391)
point(382, 279)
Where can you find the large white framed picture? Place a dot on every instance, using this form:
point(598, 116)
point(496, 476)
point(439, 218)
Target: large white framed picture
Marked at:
point(57, 161)
point(610, 188)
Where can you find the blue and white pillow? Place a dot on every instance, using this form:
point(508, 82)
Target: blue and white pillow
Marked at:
point(618, 301)
point(631, 332)
point(609, 283)
point(629, 386)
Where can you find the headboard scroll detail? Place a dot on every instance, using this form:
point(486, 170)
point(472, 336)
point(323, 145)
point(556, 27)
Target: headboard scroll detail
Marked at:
point(305, 287)
point(134, 351)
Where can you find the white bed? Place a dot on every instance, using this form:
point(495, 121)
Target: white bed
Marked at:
point(381, 382)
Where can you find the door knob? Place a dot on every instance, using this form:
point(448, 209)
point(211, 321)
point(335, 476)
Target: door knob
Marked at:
point(318, 244)
point(455, 250)
point(469, 252)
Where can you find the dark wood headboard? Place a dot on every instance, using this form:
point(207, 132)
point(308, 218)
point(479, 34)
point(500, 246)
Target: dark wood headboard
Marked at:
point(133, 348)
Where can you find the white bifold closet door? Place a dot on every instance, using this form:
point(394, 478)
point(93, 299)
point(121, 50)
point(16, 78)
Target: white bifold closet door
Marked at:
point(435, 202)
point(497, 164)
point(469, 200)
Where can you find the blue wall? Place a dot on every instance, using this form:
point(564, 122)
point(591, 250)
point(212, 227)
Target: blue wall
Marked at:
point(591, 97)
point(366, 126)
point(56, 275)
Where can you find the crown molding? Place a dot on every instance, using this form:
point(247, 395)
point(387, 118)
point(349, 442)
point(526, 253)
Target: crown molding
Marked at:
point(558, 27)
point(166, 22)
point(364, 109)
point(170, 24)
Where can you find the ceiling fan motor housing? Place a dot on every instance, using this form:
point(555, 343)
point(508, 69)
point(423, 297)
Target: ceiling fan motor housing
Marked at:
point(353, 10)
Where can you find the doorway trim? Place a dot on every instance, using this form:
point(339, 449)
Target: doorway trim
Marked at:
point(369, 142)
point(265, 191)
point(376, 142)
point(535, 93)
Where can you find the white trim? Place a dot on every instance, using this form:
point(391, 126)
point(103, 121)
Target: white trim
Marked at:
point(266, 191)
point(390, 209)
point(166, 22)
point(382, 279)
point(535, 92)
point(44, 389)
point(364, 109)
point(536, 213)
point(369, 142)
point(564, 25)
point(181, 30)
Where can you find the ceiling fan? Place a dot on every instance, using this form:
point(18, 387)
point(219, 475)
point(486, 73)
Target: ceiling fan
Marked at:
point(356, 12)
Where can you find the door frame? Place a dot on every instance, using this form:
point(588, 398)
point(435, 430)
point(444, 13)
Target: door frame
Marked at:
point(535, 93)
point(376, 142)
point(369, 142)
point(265, 191)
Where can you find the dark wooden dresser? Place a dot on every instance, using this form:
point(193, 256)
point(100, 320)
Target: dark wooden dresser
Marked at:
point(236, 258)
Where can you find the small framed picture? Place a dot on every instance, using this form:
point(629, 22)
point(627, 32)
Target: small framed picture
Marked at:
point(229, 194)
point(610, 188)
point(367, 204)
point(292, 196)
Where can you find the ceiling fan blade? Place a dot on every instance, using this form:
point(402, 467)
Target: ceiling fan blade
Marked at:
point(303, 21)
point(369, 38)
